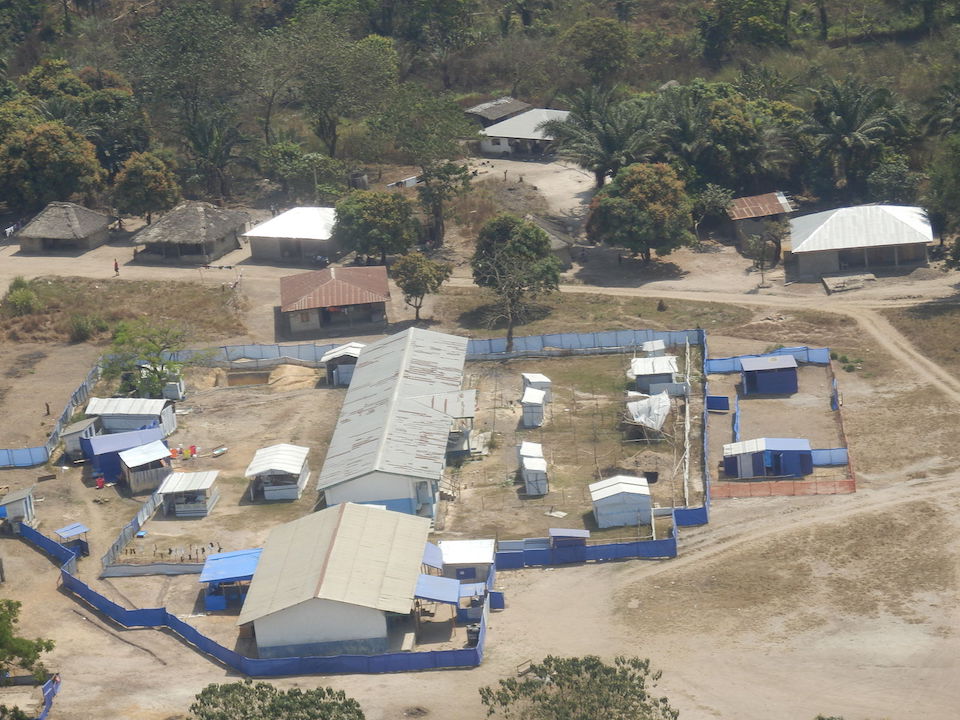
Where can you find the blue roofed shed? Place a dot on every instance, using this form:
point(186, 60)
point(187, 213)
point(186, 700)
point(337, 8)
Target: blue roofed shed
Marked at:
point(768, 457)
point(227, 576)
point(769, 375)
point(105, 450)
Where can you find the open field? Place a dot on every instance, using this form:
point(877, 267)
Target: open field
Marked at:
point(932, 328)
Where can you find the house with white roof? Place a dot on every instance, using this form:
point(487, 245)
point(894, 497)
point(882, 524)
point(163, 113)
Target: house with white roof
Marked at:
point(390, 444)
point(865, 237)
point(621, 500)
point(520, 134)
point(300, 234)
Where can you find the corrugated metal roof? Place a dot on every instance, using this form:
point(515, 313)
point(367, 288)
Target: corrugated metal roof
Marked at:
point(78, 426)
point(568, 532)
point(860, 227)
point(334, 287)
point(350, 349)
point(774, 203)
point(535, 378)
point(496, 109)
point(533, 396)
point(126, 406)
point(438, 589)
point(233, 566)
point(468, 552)
point(618, 484)
point(531, 449)
point(537, 464)
point(459, 404)
point(355, 554)
point(279, 458)
point(386, 422)
point(653, 346)
point(762, 444)
point(143, 454)
point(16, 495)
point(525, 126)
point(188, 482)
point(300, 223)
point(71, 530)
point(653, 365)
point(768, 362)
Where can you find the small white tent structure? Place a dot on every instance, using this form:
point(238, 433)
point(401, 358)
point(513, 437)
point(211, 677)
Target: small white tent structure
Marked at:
point(340, 363)
point(532, 403)
point(621, 500)
point(539, 382)
point(18, 507)
point(529, 449)
point(533, 471)
point(281, 470)
point(145, 467)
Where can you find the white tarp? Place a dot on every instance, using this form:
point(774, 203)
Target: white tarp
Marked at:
point(651, 412)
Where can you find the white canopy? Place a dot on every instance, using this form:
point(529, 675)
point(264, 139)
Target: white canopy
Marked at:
point(618, 484)
point(534, 463)
point(151, 452)
point(531, 449)
point(350, 349)
point(535, 378)
point(467, 552)
point(282, 458)
point(302, 223)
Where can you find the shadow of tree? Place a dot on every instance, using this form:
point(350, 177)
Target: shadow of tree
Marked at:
point(489, 317)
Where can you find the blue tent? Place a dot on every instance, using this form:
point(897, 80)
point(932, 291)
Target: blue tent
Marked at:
point(229, 567)
point(769, 375)
point(768, 457)
point(105, 450)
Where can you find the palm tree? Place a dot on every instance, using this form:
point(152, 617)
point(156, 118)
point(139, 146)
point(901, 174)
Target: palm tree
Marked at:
point(212, 142)
point(602, 133)
point(850, 122)
point(684, 115)
point(943, 114)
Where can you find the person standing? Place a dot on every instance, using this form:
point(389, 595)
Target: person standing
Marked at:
point(116, 268)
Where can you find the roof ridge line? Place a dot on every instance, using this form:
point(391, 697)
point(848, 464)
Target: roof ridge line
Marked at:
point(333, 539)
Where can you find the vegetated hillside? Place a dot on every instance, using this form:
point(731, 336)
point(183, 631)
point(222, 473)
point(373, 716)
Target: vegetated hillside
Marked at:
point(133, 104)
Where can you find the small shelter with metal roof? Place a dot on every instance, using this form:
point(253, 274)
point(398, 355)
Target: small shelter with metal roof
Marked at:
point(74, 537)
point(190, 494)
point(468, 560)
point(145, 467)
point(864, 237)
point(621, 500)
point(768, 457)
point(390, 443)
point(340, 363)
point(279, 471)
point(64, 227)
point(104, 450)
point(227, 577)
point(18, 506)
point(123, 414)
point(336, 582)
point(533, 473)
point(192, 232)
point(72, 433)
point(521, 133)
point(769, 375)
point(538, 381)
point(532, 403)
point(300, 234)
point(651, 372)
point(334, 297)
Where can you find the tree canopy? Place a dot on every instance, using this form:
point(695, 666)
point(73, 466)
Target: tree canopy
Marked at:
point(145, 185)
point(375, 222)
point(16, 652)
point(141, 355)
point(418, 276)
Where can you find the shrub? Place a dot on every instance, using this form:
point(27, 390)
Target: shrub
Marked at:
point(833, 355)
point(849, 368)
point(844, 359)
point(84, 327)
point(22, 301)
point(18, 283)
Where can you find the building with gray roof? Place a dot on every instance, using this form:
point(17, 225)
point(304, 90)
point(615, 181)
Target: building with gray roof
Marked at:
point(193, 232)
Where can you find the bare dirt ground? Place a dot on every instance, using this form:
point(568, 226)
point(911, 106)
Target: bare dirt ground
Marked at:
point(781, 607)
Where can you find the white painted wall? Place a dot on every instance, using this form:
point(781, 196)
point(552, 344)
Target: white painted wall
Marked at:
point(319, 621)
point(490, 146)
point(125, 423)
point(372, 487)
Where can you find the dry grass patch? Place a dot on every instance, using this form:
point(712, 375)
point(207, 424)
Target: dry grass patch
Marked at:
point(932, 327)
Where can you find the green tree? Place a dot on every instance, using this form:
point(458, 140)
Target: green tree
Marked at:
point(418, 276)
point(604, 133)
point(370, 221)
point(440, 183)
point(144, 186)
point(852, 124)
point(711, 203)
point(48, 162)
point(602, 46)
point(262, 701)
point(513, 259)
point(645, 208)
point(943, 110)
point(893, 182)
point(143, 355)
point(758, 250)
point(19, 653)
point(941, 199)
point(578, 688)
point(303, 174)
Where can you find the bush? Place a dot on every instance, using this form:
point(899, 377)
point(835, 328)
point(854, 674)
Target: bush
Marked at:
point(18, 283)
point(84, 327)
point(849, 368)
point(843, 359)
point(833, 355)
point(22, 301)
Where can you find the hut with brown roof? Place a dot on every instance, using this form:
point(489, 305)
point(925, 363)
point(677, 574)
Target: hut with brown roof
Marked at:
point(193, 232)
point(332, 298)
point(64, 227)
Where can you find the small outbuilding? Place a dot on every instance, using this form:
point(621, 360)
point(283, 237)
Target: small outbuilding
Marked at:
point(532, 405)
point(768, 457)
point(298, 235)
point(336, 582)
point(520, 134)
point(72, 433)
point(279, 471)
point(539, 382)
point(468, 560)
point(192, 233)
point(340, 297)
point(756, 214)
point(144, 468)
point(529, 449)
point(651, 372)
point(64, 227)
point(533, 472)
point(119, 415)
point(18, 506)
point(769, 375)
point(340, 363)
point(190, 494)
point(104, 450)
point(621, 500)
point(494, 111)
point(74, 537)
point(227, 577)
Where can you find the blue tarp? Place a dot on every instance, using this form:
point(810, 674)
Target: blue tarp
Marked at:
point(433, 556)
point(438, 589)
point(230, 566)
point(72, 530)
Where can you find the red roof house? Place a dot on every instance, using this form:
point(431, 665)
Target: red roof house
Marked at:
point(333, 297)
